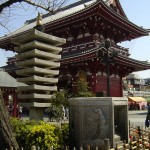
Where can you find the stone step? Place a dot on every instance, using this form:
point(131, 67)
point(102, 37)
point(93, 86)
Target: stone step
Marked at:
point(117, 138)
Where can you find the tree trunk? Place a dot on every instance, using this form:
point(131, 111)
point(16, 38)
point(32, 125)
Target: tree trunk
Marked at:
point(7, 138)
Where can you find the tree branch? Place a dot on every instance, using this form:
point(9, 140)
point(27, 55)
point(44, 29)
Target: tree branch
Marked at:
point(7, 4)
point(38, 5)
point(4, 26)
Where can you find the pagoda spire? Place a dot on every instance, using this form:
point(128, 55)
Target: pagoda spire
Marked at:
point(39, 25)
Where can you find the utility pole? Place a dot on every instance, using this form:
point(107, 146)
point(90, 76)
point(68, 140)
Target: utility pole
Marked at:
point(107, 46)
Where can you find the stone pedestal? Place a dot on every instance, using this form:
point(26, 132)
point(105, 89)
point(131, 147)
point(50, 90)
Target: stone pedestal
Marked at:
point(97, 118)
point(36, 109)
point(36, 113)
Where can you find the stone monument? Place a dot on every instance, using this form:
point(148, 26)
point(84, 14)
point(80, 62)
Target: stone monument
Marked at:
point(94, 119)
point(38, 59)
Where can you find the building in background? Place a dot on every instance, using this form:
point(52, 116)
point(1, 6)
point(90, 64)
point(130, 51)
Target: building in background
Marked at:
point(135, 83)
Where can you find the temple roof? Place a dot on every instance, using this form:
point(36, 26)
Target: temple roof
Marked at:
point(92, 54)
point(8, 81)
point(66, 11)
point(62, 16)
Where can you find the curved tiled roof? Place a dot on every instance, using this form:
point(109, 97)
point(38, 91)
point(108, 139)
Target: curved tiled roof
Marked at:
point(55, 16)
point(92, 53)
point(66, 12)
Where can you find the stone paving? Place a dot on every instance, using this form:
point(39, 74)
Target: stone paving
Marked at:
point(137, 117)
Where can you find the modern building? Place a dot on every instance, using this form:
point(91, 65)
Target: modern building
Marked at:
point(135, 83)
point(88, 55)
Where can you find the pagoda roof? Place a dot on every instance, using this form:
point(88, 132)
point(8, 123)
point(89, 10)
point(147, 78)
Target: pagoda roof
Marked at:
point(92, 54)
point(74, 12)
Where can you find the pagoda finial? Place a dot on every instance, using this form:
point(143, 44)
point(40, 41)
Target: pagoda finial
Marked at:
point(39, 23)
point(39, 19)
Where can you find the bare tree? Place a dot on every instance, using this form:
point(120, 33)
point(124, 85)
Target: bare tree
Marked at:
point(48, 5)
point(9, 7)
point(6, 134)
point(7, 12)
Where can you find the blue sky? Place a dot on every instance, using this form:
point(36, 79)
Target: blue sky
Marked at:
point(137, 12)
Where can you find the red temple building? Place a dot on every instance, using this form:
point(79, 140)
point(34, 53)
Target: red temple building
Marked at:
point(86, 25)
point(8, 87)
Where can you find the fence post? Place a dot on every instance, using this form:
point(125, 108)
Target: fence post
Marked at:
point(124, 144)
point(96, 148)
point(106, 144)
point(139, 132)
point(81, 148)
point(129, 127)
point(138, 143)
point(88, 147)
point(143, 142)
point(149, 139)
point(130, 144)
point(33, 148)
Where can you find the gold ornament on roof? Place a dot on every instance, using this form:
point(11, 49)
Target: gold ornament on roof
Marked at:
point(39, 19)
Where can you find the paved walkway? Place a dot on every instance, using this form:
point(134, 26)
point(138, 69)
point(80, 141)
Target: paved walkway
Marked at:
point(137, 117)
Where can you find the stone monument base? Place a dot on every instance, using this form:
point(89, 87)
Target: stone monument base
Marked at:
point(94, 119)
point(36, 110)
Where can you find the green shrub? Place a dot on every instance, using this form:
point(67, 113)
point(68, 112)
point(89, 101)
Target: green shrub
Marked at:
point(83, 89)
point(42, 134)
point(65, 133)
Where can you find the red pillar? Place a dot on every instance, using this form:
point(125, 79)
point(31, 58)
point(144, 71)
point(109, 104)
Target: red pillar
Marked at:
point(93, 80)
point(5, 97)
point(121, 89)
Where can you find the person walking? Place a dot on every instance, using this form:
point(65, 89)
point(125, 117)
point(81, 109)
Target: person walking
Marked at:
point(147, 121)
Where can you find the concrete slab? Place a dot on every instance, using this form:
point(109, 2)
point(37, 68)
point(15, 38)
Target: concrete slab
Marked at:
point(37, 87)
point(38, 54)
point(35, 78)
point(37, 45)
point(37, 70)
point(40, 36)
point(35, 104)
point(38, 62)
point(34, 96)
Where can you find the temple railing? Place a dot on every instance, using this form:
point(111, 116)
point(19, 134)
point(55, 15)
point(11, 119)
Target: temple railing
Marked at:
point(121, 50)
point(89, 45)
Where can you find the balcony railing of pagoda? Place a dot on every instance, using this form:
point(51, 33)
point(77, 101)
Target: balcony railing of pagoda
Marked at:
point(78, 48)
point(11, 60)
point(122, 51)
point(89, 45)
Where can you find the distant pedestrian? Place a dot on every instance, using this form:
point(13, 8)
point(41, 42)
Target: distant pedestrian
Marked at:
point(20, 111)
point(147, 121)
